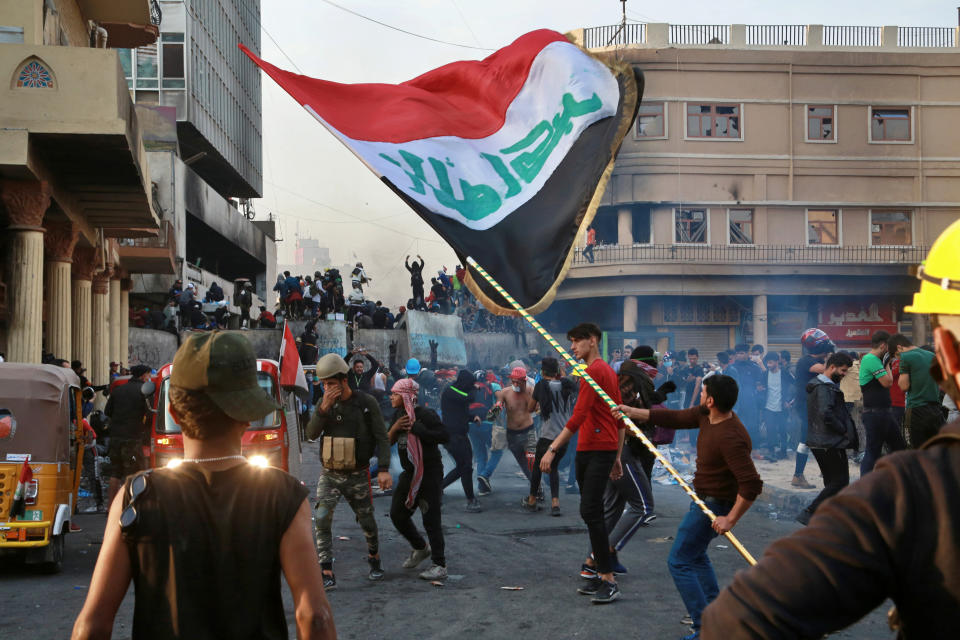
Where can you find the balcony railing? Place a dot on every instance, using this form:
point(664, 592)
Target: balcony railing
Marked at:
point(767, 35)
point(751, 254)
point(699, 34)
point(657, 35)
point(165, 239)
point(613, 34)
point(925, 36)
point(852, 36)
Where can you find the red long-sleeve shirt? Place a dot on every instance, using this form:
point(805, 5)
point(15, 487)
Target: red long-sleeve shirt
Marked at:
point(724, 466)
point(599, 430)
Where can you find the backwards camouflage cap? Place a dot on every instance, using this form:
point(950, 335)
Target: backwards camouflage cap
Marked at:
point(223, 366)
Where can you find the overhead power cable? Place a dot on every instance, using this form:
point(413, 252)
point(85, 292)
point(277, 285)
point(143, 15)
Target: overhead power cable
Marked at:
point(409, 33)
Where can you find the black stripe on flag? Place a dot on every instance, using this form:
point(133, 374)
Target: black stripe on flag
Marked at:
point(527, 250)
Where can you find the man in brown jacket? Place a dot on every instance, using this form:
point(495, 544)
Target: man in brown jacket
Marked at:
point(725, 480)
point(891, 535)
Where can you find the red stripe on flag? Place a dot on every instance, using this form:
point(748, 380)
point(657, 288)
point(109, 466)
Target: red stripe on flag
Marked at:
point(466, 99)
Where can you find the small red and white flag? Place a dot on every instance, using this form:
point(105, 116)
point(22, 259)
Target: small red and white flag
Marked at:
point(291, 369)
point(506, 157)
point(18, 510)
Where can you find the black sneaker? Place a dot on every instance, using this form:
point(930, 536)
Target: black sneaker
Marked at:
point(376, 569)
point(555, 512)
point(587, 572)
point(329, 582)
point(804, 517)
point(591, 587)
point(607, 593)
point(540, 495)
point(531, 508)
point(483, 486)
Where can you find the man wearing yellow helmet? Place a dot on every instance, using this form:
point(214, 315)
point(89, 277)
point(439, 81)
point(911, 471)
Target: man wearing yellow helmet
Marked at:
point(891, 535)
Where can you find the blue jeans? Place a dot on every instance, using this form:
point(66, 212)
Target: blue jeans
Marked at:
point(479, 434)
point(688, 561)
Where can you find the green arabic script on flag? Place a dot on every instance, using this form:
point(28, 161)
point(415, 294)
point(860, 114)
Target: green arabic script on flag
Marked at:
point(481, 200)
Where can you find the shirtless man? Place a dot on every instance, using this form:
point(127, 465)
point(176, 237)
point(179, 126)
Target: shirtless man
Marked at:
point(521, 436)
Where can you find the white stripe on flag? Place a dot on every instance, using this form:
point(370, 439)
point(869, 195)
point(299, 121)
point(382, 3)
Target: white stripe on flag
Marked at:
point(500, 182)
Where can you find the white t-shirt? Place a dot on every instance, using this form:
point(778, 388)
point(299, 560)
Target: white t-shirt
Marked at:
point(774, 391)
point(380, 382)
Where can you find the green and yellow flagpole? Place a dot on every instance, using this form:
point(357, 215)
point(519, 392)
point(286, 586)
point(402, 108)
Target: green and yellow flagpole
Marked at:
point(613, 405)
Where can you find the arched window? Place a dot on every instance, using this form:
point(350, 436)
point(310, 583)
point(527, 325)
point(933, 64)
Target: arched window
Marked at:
point(34, 74)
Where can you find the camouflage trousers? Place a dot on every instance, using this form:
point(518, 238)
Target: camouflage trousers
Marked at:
point(354, 487)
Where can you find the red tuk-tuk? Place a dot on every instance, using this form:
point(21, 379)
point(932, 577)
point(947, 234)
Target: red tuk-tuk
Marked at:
point(271, 441)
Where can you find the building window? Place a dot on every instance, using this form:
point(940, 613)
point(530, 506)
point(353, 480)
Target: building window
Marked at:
point(155, 73)
point(690, 226)
point(716, 121)
point(172, 60)
point(741, 226)
point(823, 227)
point(890, 125)
point(891, 228)
point(148, 69)
point(652, 120)
point(820, 123)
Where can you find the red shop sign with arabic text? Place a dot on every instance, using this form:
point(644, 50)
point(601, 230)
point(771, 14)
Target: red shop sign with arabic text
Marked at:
point(854, 321)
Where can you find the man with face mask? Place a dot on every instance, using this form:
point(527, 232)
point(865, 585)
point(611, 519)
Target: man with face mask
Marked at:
point(832, 430)
point(893, 534)
point(521, 436)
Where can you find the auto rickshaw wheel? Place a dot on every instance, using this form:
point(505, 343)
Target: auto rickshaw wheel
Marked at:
point(54, 561)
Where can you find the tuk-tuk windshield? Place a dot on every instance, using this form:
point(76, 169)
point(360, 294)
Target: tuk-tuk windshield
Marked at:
point(270, 421)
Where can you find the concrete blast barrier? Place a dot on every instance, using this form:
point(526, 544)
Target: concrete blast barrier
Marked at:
point(150, 347)
point(377, 343)
point(446, 331)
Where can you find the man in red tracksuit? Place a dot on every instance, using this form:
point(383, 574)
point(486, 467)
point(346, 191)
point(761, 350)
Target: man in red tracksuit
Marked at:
point(598, 454)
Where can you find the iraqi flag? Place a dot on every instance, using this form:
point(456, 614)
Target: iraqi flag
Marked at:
point(506, 158)
point(291, 369)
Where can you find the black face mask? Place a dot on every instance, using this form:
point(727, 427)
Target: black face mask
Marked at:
point(836, 378)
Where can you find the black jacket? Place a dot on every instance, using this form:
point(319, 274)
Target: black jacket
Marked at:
point(429, 428)
point(455, 404)
point(126, 408)
point(831, 426)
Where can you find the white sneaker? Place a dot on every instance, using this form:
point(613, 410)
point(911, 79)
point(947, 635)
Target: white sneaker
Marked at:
point(416, 557)
point(436, 572)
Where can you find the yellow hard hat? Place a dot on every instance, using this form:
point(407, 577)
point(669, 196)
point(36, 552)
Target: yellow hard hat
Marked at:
point(939, 276)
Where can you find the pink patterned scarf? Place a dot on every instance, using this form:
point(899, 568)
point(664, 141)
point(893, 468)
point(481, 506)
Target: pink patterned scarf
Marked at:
point(407, 389)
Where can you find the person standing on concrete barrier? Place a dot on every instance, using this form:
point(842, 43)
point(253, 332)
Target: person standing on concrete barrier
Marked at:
point(418, 431)
point(352, 429)
point(455, 409)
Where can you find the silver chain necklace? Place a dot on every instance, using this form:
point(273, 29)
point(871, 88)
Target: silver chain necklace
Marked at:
point(234, 457)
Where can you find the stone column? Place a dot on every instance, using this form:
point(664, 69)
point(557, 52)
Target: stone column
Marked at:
point(625, 226)
point(59, 242)
point(630, 313)
point(115, 320)
point(25, 202)
point(125, 286)
point(84, 264)
point(919, 329)
point(100, 337)
point(760, 320)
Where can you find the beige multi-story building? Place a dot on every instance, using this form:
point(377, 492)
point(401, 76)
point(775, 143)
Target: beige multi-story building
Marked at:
point(73, 177)
point(777, 178)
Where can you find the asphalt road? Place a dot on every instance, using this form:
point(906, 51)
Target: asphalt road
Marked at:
point(500, 547)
